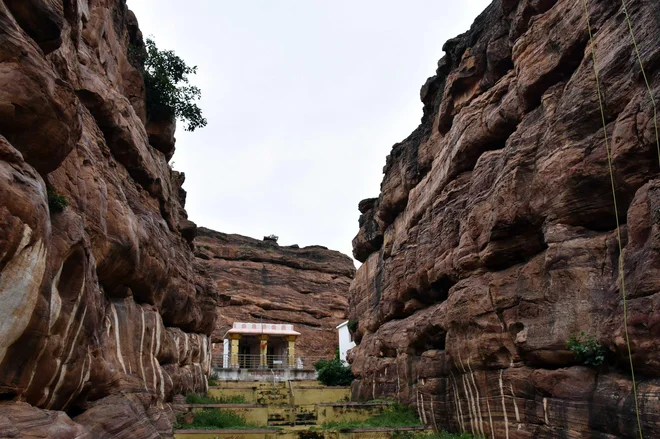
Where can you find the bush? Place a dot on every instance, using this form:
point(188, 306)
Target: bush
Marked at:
point(56, 201)
point(167, 87)
point(271, 238)
point(333, 372)
point(353, 326)
point(586, 349)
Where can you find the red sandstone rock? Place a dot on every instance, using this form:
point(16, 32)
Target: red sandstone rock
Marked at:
point(104, 311)
point(498, 233)
point(257, 280)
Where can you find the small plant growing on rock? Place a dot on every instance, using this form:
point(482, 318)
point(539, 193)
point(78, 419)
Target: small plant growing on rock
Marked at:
point(353, 326)
point(56, 201)
point(586, 349)
point(273, 238)
point(167, 86)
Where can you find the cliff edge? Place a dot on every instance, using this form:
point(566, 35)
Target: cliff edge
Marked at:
point(105, 314)
point(493, 240)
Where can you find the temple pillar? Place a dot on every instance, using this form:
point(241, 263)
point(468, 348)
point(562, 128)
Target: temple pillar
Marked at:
point(233, 360)
point(291, 350)
point(263, 351)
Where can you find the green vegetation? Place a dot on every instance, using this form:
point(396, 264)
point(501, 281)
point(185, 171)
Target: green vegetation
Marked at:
point(379, 400)
point(396, 415)
point(586, 349)
point(271, 238)
point(333, 372)
point(434, 435)
point(167, 87)
point(56, 201)
point(212, 382)
point(197, 399)
point(353, 326)
point(211, 419)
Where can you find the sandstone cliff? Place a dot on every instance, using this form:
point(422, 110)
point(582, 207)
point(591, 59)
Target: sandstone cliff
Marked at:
point(280, 284)
point(104, 315)
point(493, 239)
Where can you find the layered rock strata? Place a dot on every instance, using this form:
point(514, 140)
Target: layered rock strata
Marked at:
point(104, 312)
point(263, 281)
point(494, 238)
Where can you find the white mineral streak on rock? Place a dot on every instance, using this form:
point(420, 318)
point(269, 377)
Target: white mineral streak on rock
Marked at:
point(57, 371)
point(55, 308)
point(55, 301)
point(120, 358)
point(490, 419)
point(506, 419)
point(477, 399)
point(19, 289)
point(185, 347)
point(515, 407)
point(457, 399)
point(143, 329)
point(152, 359)
point(65, 365)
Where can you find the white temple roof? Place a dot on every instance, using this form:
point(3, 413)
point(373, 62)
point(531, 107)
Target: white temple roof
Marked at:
point(262, 328)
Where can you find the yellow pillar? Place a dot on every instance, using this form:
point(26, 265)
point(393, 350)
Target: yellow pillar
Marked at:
point(263, 351)
point(291, 350)
point(233, 362)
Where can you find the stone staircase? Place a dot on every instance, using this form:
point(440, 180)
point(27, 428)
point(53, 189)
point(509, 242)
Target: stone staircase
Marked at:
point(290, 410)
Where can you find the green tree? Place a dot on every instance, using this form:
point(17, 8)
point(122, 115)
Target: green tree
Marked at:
point(333, 372)
point(169, 92)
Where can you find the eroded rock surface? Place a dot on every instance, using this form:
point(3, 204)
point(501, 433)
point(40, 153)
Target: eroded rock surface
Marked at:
point(257, 280)
point(494, 239)
point(104, 312)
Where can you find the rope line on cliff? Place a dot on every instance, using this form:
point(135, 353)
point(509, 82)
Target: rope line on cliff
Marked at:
point(616, 215)
point(646, 81)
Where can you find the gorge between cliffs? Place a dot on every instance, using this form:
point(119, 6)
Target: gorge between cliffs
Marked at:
point(492, 243)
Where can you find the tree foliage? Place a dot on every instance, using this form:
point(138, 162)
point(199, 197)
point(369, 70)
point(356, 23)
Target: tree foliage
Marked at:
point(168, 89)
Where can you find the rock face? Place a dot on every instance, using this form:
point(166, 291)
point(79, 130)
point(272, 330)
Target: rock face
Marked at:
point(104, 312)
point(494, 238)
point(257, 280)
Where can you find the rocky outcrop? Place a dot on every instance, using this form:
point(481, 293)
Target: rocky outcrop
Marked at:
point(263, 281)
point(104, 312)
point(494, 238)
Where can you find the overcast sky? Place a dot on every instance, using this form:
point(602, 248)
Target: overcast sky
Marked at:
point(304, 100)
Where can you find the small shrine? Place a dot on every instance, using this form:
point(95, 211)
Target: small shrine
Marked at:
point(260, 346)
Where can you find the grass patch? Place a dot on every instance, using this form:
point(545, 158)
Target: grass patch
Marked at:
point(212, 418)
point(197, 399)
point(212, 382)
point(434, 435)
point(396, 415)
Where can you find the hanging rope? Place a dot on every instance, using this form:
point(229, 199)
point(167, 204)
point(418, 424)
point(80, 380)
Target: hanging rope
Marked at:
point(616, 215)
point(646, 81)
